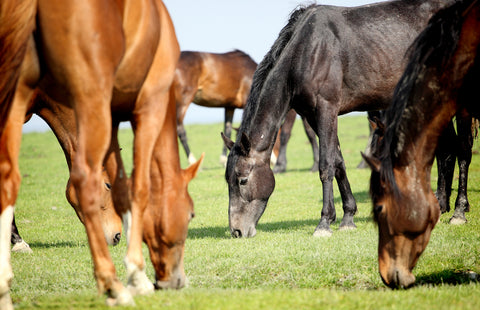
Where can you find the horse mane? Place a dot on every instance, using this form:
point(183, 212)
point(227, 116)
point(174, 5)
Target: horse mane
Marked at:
point(431, 49)
point(269, 62)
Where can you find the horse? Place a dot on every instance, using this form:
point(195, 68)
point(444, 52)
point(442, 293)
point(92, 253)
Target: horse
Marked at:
point(325, 62)
point(280, 165)
point(214, 81)
point(439, 81)
point(61, 120)
point(110, 61)
point(451, 147)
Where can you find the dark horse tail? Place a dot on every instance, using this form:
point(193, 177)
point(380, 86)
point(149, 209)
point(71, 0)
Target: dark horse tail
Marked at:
point(272, 56)
point(17, 20)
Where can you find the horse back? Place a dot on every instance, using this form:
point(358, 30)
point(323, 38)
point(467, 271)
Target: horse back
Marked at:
point(352, 55)
point(221, 80)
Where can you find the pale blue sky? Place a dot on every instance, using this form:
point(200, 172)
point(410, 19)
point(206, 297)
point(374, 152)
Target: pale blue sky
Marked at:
point(219, 26)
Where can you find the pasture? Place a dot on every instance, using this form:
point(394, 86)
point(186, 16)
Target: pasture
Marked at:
point(283, 267)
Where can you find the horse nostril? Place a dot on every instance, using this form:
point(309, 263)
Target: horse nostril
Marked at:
point(236, 233)
point(243, 181)
point(116, 239)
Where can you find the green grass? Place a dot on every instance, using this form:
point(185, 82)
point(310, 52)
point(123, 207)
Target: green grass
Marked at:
point(283, 267)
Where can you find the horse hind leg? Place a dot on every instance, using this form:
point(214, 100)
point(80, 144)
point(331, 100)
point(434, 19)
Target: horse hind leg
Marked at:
point(19, 245)
point(227, 129)
point(465, 138)
point(445, 166)
point(285, 133)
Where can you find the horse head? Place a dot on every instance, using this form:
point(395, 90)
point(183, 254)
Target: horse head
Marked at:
point(165, 226)
point(250, 184)
point(405, 210)
point(111, 221)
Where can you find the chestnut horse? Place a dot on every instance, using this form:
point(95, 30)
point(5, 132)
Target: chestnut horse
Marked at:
point(61, 119)
point(441, 80)
point(326, 61)
point(214, 81)
point(111, 61)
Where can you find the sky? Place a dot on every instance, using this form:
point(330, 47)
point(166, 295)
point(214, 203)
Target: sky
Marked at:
point(219, 26)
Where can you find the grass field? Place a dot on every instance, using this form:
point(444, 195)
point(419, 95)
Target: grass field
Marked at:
point(283, 267)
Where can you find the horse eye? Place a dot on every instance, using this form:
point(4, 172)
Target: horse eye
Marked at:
point(243, 181)
point(108, 186)
point(377, 209)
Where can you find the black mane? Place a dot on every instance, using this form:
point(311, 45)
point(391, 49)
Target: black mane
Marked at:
point(268, 63)
point(431, 50)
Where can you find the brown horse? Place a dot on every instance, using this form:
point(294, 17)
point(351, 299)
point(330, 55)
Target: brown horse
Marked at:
point(214, 81)
point(111, 61)
point(440, 80)
point(61, 119)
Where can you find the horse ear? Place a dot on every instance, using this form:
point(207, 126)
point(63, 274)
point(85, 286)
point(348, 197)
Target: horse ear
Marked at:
point(245, 144)
point(192, 170)
point(379, 126)
point(373, 162)
point(228, 142)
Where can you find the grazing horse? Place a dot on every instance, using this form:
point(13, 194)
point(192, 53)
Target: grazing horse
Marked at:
point(214, 81)
point(440, 80)
point(110, 61)
point(61, 120)
point(451, 146)
point(326, 61)
point(285, 133)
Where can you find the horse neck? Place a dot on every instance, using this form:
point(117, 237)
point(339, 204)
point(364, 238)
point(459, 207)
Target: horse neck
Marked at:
point(262, 120)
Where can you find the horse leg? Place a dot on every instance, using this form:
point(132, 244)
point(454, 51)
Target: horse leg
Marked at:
point(19, 245)
point(312, 137)
point(326, 129)
point(446, 156)
point(371, 116)
point(465, 139)
point(349, 204)
point(227, 129)
point(285, 133)
point(182, 134)
point(10, 184)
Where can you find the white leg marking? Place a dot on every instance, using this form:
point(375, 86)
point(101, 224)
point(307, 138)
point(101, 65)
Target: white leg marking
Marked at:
point(6, 273)
point(127, 224)
point(138, 283)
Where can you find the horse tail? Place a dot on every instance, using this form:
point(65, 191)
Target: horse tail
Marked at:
point(275, 51)
point(17, 20)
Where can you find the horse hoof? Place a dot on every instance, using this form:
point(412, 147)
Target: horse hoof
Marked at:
point(22, 247)
point(124, 298)
point(347, 227)
point(323, 233)
point(191, 159)
point(223, 160)
point(457, 221)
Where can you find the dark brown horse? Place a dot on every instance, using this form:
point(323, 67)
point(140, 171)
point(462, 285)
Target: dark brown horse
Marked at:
point(110, 61)
point(451, 147)
point(214, 81)
point(326, 61)
point(441, 80)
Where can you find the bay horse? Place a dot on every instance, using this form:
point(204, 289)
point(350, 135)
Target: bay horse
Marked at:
point(326, 61)
point(110, 61)
point(214, 81)
point(440, 80)
point(451, 147)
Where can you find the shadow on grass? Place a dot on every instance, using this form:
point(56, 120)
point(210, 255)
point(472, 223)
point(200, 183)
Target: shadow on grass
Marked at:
point(222, 232)
point(450, 277)
point(57, 244)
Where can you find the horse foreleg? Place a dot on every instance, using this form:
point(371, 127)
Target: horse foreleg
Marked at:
point(285, 133)
point(349, 204)
point(446, 156)
point(227, 129)
point(465, 139)
point(10, 185)
point(181, 132)
point(326, 129)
